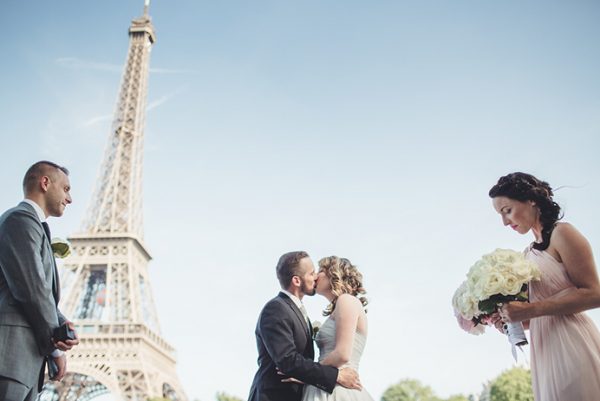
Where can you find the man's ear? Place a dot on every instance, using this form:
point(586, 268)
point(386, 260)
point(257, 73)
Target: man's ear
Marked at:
point(296, 281)
point(44, 183)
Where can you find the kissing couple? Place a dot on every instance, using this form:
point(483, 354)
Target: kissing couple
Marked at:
point(284, 334)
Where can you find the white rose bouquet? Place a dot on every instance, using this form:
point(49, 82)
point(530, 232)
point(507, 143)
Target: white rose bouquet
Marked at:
point(498, 277)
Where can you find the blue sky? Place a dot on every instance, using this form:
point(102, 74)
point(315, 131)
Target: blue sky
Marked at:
point(371, 130)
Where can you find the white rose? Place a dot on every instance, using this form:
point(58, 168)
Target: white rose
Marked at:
point(464, 303)
point(316, 326)
point(494, 284)
point(512, 284)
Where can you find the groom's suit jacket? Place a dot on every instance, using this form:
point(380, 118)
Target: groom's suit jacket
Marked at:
point(29, 292)
point(284, 342)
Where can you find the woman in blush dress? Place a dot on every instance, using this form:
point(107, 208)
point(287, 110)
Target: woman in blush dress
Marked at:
point(342, 337)
point(565, 343)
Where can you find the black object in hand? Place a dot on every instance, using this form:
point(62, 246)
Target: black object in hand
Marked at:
point(63, 333)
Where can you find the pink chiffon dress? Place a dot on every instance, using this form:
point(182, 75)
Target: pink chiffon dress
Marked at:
point(565, 349)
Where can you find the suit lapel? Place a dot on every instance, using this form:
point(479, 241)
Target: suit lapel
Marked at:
point(55, 279)
point(297, 312)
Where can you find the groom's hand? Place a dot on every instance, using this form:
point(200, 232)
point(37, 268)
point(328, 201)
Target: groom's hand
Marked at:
point(67, 344)
point(61, 364)
point(348, 377)
point(289, 379)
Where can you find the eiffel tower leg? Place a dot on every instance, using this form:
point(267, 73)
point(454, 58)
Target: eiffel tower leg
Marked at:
point(132, 384)
point(140, 385)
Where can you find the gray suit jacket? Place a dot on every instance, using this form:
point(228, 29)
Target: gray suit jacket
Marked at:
point(28, 295)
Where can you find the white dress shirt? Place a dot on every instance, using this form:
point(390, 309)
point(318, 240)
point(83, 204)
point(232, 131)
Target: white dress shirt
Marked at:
point(298, 302)
point(37, 208)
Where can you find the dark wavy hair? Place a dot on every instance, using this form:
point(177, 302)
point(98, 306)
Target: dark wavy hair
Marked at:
point(524, 187)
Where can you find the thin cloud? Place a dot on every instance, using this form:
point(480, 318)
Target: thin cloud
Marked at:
point(74, 63)
point(78, 64)
point(96, 120)
point(163, 99)
point(172, 71)
point(151, 106)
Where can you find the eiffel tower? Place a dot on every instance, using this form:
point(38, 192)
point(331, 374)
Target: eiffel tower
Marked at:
point(105, 281)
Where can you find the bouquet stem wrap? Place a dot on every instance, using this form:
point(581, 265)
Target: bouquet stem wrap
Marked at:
point(516, 336)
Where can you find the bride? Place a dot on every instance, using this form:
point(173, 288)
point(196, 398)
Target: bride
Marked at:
point(342, 338)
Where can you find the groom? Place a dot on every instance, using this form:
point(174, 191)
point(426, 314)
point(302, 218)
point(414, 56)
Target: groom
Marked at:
point(284, 339)
point(29, 288)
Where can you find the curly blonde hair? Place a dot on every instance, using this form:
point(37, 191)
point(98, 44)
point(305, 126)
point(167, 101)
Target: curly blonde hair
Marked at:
point(344, 278)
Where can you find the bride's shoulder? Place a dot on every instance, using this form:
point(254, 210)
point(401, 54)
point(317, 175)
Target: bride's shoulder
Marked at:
point(348, 301)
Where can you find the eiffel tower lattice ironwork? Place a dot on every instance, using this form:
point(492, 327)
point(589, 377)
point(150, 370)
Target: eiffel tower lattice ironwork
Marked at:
point(105, 281)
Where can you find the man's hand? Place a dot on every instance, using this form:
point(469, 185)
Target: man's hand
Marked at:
point(68, 344)
point(292, 380)
point(61, 364)
point(289, 379)
point(348, 377)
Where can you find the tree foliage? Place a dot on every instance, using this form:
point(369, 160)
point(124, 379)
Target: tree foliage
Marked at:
point(512, 385)
point(409, 390)
point(458, 397)
point(222, 396)
point(414, 390)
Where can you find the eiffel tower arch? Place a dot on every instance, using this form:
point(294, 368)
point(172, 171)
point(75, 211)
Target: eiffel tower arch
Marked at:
point(106, 287)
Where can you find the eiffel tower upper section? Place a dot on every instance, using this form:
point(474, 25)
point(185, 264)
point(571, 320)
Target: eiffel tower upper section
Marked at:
point(107, 289)
point(116, 206)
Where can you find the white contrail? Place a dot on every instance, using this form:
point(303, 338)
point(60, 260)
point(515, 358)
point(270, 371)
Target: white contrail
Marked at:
point(151, 106)
point(163, 99)
point(172, 71)
point(78, 64)
point(96, 120)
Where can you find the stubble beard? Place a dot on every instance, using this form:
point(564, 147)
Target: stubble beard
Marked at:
point(310, 291)
point(58, 211)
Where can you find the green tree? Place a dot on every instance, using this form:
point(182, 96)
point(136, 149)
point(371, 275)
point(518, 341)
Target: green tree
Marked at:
point(457, 397)
point(222, 396)
point(512, 385)
point(409, 390)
